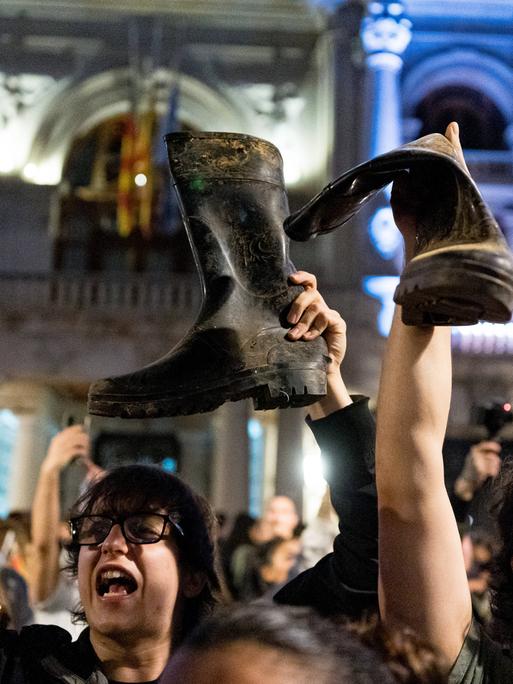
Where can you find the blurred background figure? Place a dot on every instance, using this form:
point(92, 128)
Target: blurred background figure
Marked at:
point(484, 547)
point(281, 515)
point(481, 466)
point(238, 536)
point(279, 523)
point(482, 463)
point(269, 567)
point(318, 536)
point(15, 604)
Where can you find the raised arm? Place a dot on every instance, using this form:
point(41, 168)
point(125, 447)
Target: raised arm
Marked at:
point(71, 443)
point(344, 581)
point(422, 575)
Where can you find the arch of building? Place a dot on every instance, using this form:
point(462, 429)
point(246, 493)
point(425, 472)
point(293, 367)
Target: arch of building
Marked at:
point(77, 108)
point(460, 67)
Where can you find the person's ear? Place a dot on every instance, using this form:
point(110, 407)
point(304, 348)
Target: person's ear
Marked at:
point(193, 583)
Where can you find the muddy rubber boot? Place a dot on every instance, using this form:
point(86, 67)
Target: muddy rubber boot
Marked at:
point(233, 203)
point(462, 271)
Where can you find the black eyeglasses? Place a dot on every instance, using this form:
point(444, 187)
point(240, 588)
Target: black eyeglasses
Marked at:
point(137, 528)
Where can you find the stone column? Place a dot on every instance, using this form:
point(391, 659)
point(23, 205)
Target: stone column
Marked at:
point(385, 35)
point(230, 470)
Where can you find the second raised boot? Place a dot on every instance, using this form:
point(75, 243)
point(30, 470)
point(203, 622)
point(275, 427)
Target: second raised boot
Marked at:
point(462, 271)
point(233, 203)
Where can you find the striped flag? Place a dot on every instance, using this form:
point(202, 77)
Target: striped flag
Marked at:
point(143, 170)
point(135, 181)
point(125, 195)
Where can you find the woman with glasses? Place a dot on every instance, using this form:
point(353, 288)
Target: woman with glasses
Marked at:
point(143, 551)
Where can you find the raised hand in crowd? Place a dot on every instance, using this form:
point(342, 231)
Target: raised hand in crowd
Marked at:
point(423, 582)
point(48, 529)
point(482, 462)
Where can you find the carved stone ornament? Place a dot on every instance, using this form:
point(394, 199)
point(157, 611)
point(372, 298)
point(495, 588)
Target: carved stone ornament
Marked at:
point(19, 92)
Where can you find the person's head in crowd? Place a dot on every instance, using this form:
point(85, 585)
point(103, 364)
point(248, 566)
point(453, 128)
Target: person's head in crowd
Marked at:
point(239, 533)
point(281, 516)
point(146, 569)
point(276, 558)
point(260, 532)
point(291, 645)
point(15, 545)
point(483, 544)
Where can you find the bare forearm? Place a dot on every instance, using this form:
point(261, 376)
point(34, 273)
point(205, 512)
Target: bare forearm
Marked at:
point(45, 533)
point(423, 578)
point(413, 407)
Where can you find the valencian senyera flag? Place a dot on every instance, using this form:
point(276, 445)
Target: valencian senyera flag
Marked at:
point(135, 181)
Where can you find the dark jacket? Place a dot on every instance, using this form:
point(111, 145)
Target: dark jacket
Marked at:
point(44, 654)
point(345, 582)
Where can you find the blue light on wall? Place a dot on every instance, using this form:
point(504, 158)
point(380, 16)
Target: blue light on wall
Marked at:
point(382, 288)
point(9, 425)
point(256, 437)
point(483, 338)
point(384, 235)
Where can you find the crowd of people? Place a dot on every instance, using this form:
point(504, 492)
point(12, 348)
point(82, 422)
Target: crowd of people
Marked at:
point(158, 599)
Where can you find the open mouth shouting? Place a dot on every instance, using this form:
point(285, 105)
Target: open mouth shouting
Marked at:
point(114, 583)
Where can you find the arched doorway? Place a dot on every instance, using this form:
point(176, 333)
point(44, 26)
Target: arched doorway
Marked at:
point(481, 123)
point(116, 211)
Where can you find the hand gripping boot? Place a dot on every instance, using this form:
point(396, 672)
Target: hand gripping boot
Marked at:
point(462, 270)
point(233, 203)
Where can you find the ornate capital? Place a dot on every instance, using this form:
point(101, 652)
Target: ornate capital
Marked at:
point(19, 92)
point(385, 29)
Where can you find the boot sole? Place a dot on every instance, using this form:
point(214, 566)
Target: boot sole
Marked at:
point(269, 387)
point(456, 288)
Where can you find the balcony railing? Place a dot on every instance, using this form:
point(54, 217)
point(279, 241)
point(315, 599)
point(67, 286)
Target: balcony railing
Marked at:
point(490, 166)
point(177, 297)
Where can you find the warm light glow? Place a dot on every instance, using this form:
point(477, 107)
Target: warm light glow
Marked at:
point(6, 165)
point(314, 483)
point(140, 180)
point(292, 153)
point(46, 173)
point(12, 146)
point(30, 171)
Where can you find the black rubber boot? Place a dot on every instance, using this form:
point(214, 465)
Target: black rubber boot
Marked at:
point(233, 203)
point(462, 271)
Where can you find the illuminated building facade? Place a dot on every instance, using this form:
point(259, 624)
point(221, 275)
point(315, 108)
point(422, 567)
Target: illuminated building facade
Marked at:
point(88, 291)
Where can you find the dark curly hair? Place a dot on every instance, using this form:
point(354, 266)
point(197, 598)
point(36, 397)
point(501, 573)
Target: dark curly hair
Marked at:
point(147, 487)
point(327, 651)
point(501, 583)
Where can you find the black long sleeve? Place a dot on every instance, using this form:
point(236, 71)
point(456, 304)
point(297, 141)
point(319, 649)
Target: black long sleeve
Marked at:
point(345, 581)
